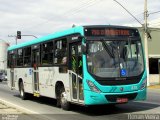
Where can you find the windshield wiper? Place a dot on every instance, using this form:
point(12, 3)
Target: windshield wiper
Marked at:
point(106, 47)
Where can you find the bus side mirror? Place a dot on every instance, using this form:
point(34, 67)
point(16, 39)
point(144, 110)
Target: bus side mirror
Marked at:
point(84, 48)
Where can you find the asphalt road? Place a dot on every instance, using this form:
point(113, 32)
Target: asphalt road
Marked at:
point(47, 107)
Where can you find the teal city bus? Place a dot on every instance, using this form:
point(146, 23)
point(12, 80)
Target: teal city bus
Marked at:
point(85, 65)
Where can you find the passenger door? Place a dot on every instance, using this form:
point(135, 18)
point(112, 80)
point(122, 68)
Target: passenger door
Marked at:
point(35, 65)
point(75, 73)
point(12, 65)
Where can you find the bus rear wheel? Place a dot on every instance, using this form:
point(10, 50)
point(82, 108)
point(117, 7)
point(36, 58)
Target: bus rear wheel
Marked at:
point(63, 100)
point(23, 95)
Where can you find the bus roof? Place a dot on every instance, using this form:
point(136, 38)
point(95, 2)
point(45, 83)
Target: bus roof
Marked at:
point(78, 29)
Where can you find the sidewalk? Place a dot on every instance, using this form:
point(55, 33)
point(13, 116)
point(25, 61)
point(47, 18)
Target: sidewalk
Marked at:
point(4, 109)
point(11, 113)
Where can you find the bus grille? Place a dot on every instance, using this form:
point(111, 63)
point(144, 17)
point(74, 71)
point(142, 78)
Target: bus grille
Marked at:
point(113, 98)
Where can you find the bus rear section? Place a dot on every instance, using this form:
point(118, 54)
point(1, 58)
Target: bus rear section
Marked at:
point(113, 69)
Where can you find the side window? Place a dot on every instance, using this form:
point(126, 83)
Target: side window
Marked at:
point(60, 56)
point(76, 58)
point(27, 56)
point(47, 53)
point(20, 57)
point(11, 59)
point(79, 60)
point(73, 59)
point(36, 55)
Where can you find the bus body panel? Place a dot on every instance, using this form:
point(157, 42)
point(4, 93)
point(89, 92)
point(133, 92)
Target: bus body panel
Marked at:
point(48, 76)
point(25, 75)
point(46, 88)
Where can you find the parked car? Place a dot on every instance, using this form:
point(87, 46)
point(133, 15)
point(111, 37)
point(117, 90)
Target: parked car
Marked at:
point(3, 76)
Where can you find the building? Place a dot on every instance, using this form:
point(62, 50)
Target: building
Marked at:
point(154, 54)
point(3, 55)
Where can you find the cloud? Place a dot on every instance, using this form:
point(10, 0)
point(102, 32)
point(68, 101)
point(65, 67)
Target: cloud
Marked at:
point(43, 17)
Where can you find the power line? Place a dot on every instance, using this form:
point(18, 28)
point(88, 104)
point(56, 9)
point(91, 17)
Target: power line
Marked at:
point(156, 30)
point(72, 11)
point(85, 6)
point(81, 6)
point(154, 12)
point(78, 10)
point(149, 14)
point(128, 12)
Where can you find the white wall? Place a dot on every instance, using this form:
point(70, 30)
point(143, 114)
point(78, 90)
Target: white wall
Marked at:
point(3, 55)
point(154, 79)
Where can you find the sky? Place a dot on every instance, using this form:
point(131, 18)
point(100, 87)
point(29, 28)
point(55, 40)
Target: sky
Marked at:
point(43, 17)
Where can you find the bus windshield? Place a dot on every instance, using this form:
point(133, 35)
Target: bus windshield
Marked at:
point(115, 58)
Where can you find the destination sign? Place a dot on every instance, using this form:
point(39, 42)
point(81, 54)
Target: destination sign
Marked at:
point(110, 32)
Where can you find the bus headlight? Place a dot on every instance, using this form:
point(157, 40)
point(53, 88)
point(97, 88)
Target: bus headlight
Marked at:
point(144, 84)
point(93, 87)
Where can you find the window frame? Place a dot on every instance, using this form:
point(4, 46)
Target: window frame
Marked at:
point(18, 59)
point(41, 52)
point(63, 38)
point(68, 38)
point(29, 56)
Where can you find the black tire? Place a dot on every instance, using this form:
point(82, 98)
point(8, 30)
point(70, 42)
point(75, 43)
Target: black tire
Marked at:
point(0, 80)
point(23, 95)
point(58, 89)
point(65, 105)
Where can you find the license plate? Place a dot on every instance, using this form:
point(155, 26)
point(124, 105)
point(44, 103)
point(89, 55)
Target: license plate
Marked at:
point(122, 100)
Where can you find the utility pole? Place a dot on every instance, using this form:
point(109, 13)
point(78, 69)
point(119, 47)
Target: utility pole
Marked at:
point(146, 40)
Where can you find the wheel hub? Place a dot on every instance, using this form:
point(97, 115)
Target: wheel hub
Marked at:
point(63, 98)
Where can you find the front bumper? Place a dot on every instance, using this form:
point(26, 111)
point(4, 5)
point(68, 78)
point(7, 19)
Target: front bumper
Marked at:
point(92, 98)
